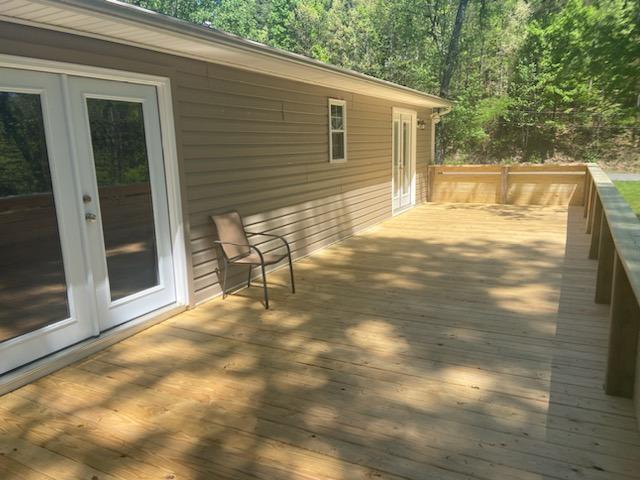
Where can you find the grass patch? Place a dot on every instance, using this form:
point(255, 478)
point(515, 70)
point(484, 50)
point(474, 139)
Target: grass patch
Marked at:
point(631, 193)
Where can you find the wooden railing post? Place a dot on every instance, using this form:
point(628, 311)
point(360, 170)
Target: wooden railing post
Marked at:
point(587, 200)
point(623, 334)
point(590, 215)
point(606, 253)
point(588, 182)
point(504, 184)
point(595, 229)
point(431, 172)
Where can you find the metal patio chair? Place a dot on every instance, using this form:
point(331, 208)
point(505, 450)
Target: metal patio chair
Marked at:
point(236, 250)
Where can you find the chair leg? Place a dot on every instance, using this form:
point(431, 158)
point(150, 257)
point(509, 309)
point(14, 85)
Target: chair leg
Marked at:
point(249, 279)
point(293, 285)
point(264, 285)
point(224, 279)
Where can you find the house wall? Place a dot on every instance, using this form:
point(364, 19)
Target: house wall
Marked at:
point(255, 143)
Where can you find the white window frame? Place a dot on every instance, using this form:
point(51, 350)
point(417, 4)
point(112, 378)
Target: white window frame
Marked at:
point(343, 104)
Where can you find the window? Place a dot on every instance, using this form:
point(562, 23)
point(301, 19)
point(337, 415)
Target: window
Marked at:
point(337, 130)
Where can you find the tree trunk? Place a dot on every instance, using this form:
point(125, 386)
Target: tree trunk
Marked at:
point(452, 53)
point(447, 72)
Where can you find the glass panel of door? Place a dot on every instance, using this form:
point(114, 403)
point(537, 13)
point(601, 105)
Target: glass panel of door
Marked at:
point(124, 187)
point(403, 166)
point(122, 171)
point(33, 287)
point(406, 161)
point(85, 238)
point(396, 175)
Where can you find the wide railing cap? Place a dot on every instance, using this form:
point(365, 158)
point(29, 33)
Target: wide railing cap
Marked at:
point(623, 224)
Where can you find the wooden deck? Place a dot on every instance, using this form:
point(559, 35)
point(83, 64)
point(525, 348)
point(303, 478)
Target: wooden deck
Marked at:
point(451, 342)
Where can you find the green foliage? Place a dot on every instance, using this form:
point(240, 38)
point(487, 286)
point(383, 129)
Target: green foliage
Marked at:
point(631, 193)
point(24, 164)
point(534, 79)
point(240, 18)
point(574, 77)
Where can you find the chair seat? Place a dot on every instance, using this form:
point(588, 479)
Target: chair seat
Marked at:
point(254, 259)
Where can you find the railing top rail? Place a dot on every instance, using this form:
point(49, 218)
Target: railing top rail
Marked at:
point(623, 224)
point(516, 169)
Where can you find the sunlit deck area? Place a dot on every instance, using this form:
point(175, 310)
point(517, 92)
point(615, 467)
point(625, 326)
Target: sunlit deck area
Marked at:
point(453, 341)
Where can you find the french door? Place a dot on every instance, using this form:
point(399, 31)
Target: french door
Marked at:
point(85, 240)
point(403, 174)
point(124, 197)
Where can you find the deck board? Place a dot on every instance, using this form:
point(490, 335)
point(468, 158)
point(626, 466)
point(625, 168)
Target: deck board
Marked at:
point(450, 342)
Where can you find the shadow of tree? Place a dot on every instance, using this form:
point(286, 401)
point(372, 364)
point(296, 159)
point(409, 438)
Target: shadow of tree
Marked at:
point(449, 342)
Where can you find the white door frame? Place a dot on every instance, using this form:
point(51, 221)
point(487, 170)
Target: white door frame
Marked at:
point(413, 152)
point(169, 150)
point(80, 323)
point(110, 312)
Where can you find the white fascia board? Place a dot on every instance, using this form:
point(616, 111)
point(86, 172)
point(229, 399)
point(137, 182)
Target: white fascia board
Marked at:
point(150, 30)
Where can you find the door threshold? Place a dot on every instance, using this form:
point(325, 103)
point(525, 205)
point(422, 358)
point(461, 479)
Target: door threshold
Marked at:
point(55, 361)
point(398, 211)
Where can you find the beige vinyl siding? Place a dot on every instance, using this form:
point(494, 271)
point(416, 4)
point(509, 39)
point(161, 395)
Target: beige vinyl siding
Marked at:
point(258, 144)
point(423, 157)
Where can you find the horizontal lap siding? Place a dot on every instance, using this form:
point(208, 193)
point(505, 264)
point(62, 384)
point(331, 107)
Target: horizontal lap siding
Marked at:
point(423, 157)
point(271, 162)
point(258, 144)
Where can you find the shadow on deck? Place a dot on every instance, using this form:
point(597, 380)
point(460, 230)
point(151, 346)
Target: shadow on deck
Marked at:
point(450, 342)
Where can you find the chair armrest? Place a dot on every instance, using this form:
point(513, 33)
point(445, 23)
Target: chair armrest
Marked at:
point(252, 247)
point(286, 244)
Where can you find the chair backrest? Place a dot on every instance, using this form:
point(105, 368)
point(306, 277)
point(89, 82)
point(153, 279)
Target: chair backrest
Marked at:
point(230, 229)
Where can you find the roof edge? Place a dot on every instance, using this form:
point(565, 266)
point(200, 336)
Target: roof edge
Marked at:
point(151, 19)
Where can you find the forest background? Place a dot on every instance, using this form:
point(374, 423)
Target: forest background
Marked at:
point(532, 80)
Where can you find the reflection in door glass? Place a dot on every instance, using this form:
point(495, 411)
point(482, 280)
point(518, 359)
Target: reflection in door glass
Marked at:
point(396, 161)
point(122, 170)
point(406, 186)
point(33, 291)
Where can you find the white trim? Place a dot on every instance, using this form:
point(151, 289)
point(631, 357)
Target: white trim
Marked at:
point(171, 168)
point(112, 313)
point(184, 295)
point(73, 150)
point(130, 25)
point(49, 364)
point(343, 104)
point(61, 333)
point(34, 334)
point(79, 70)
point(169, 148)
point(414, 155)
point(393, 152)
point(414, 152)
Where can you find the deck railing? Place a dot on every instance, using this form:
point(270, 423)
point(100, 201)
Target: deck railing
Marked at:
point(615, 240)
point(615, 243)
point(508, 184)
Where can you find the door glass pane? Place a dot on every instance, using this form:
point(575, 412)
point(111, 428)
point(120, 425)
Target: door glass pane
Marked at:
point(396, 160)
point(337, 144)
point(122, 170)
point(33, 288)
point(406, 187)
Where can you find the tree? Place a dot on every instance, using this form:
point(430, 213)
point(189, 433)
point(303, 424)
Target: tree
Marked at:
point(452, 51)
point(531, 79)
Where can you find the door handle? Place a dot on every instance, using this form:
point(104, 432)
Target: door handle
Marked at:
point(90, 217)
